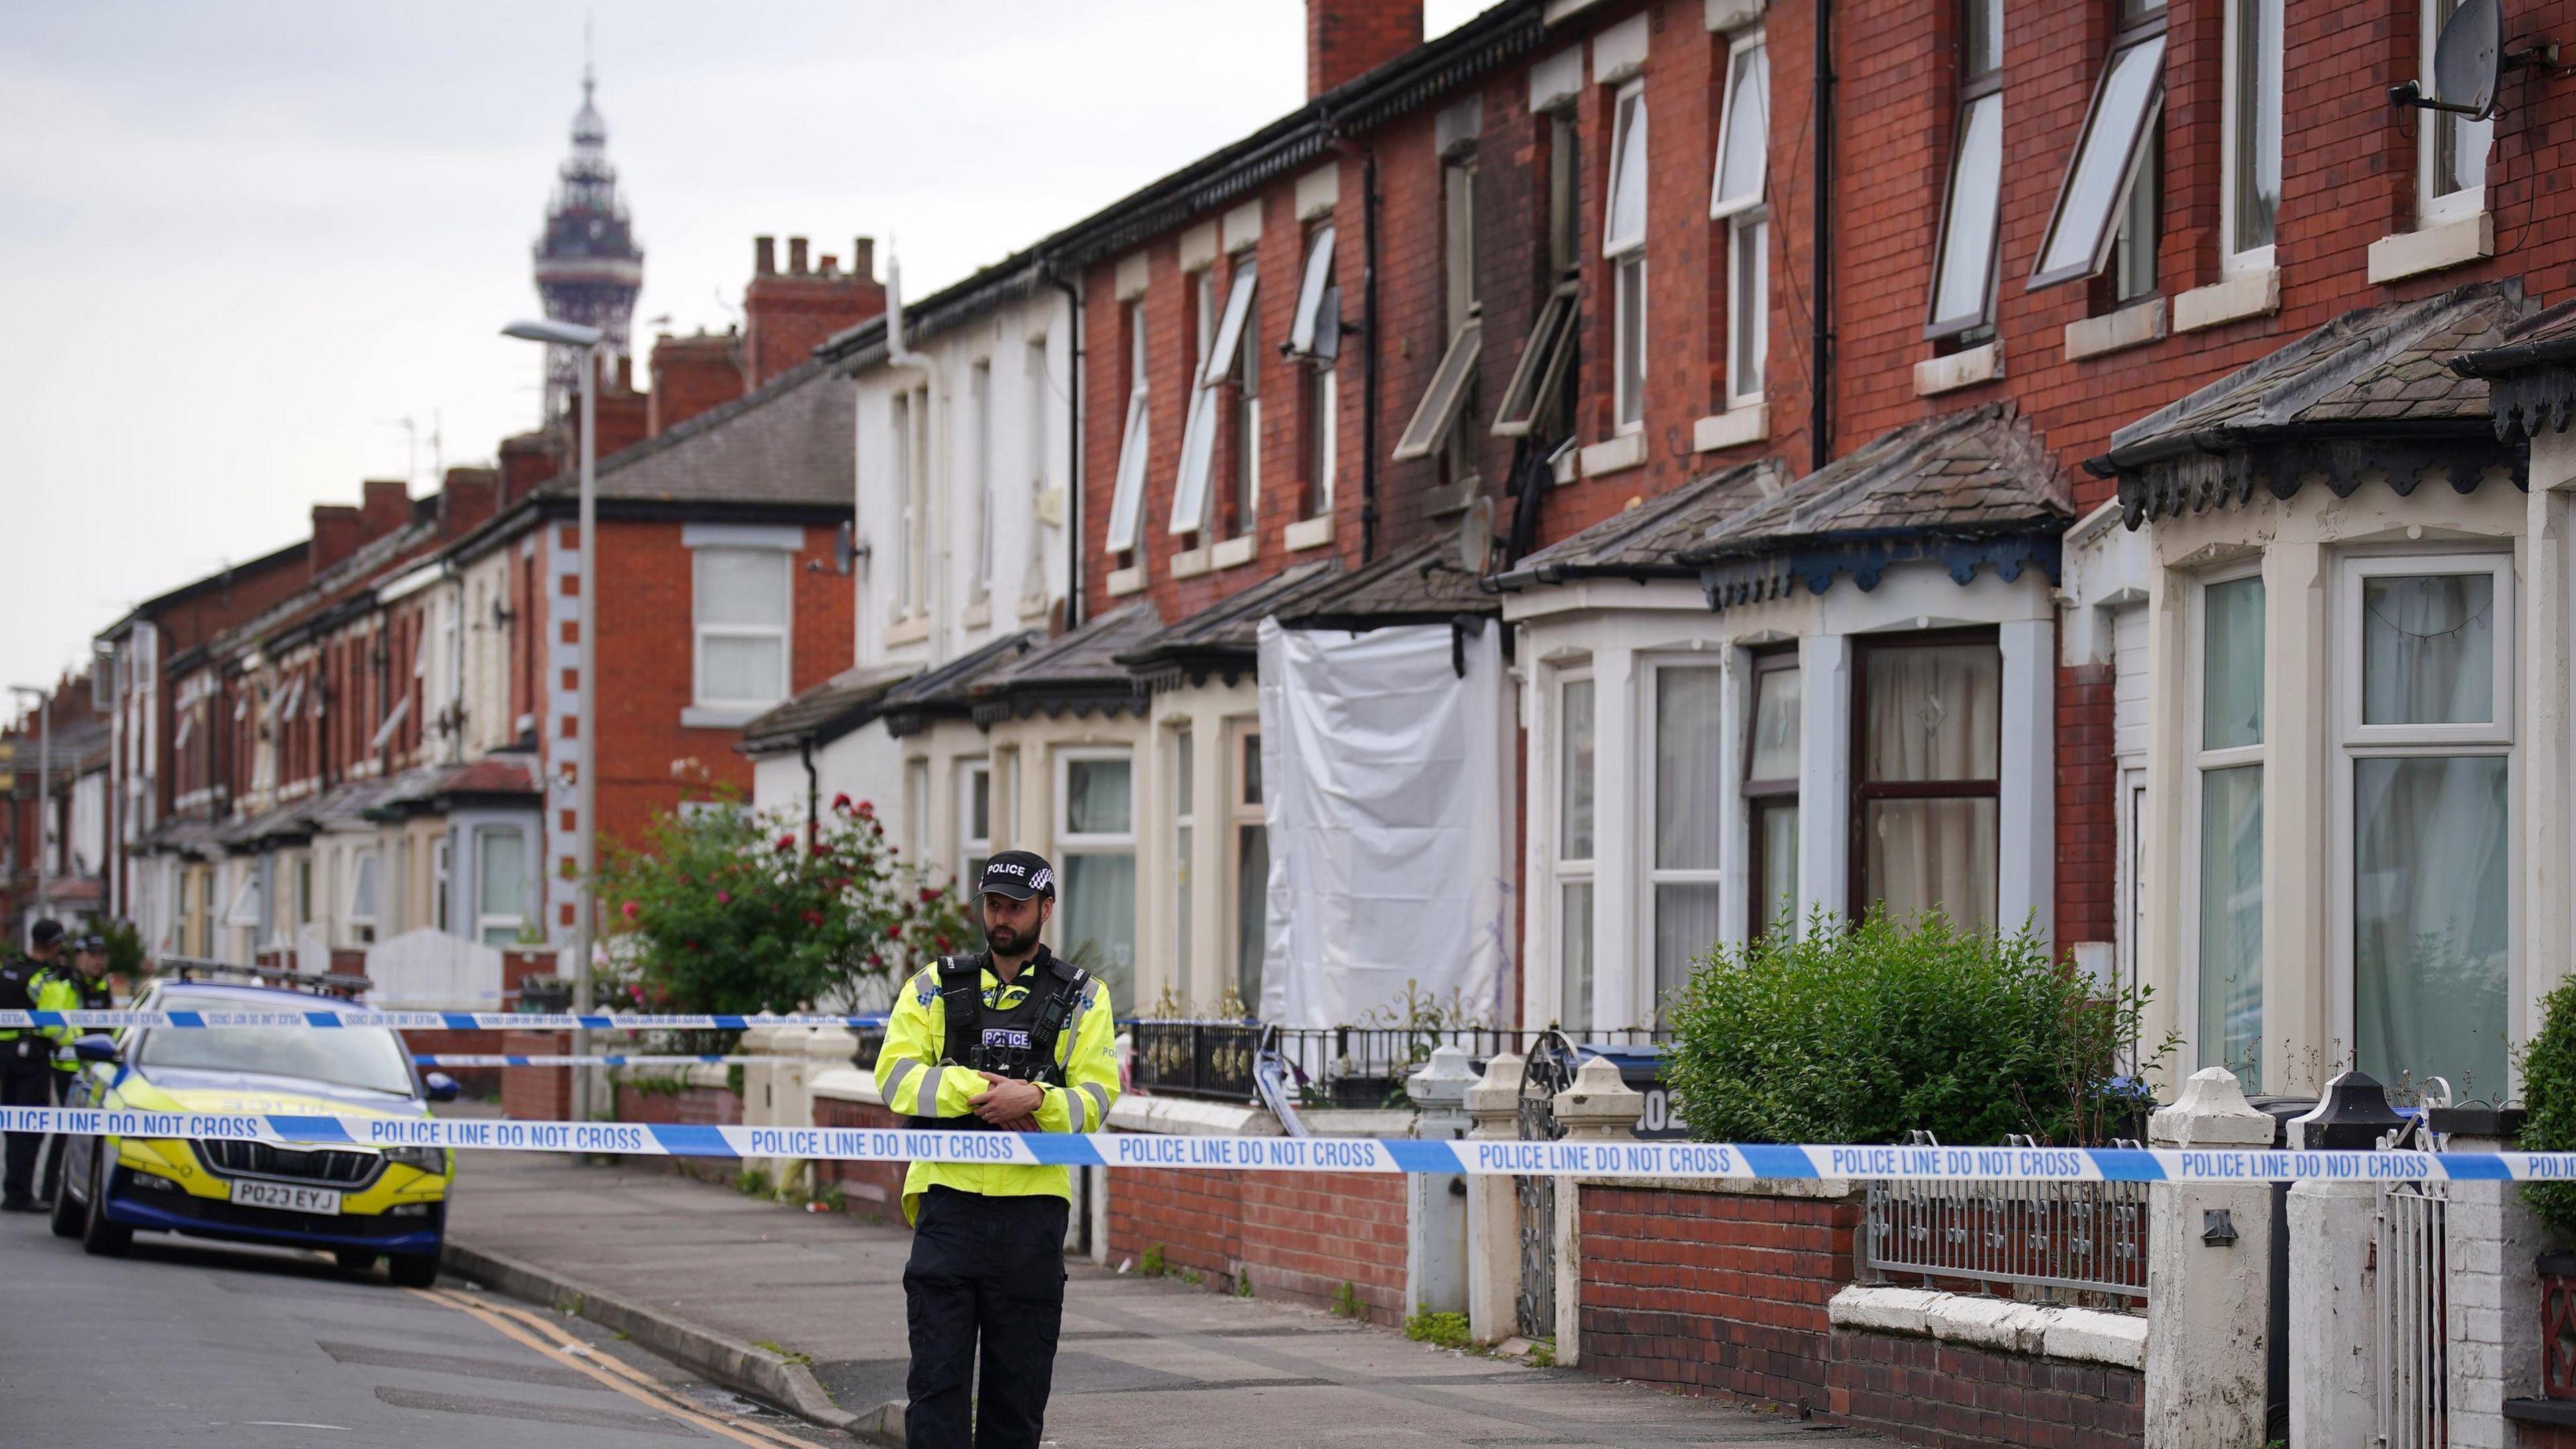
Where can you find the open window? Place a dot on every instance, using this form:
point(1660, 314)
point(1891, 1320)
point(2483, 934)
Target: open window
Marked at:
point(1127, 505)
point(1623, 243)
point(2112, 156)
point(1446, 402)
point(1736, 198)
point(1222, 364)
point(2454, 148)
point(1446, 399)
point(1544, 359)
point(1963, 270)
point(1315, 333)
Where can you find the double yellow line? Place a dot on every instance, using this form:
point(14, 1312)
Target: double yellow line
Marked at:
point(531, 1331)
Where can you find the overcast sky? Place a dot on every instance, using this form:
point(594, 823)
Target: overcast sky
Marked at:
point(240, 243)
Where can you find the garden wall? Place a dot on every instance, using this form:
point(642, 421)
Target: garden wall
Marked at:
point(865, 1186)
point(1298, 1236)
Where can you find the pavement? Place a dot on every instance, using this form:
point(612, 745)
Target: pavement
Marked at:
point(806, 1309)
point(255, 1348)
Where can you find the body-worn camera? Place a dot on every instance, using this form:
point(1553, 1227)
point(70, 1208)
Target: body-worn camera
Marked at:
point(1009, 1051)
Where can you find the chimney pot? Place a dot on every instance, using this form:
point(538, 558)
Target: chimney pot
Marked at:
point(796, 255)
point(863, 258)
point(764, 256)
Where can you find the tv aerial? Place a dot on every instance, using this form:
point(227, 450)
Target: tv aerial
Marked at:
point(2469, 59)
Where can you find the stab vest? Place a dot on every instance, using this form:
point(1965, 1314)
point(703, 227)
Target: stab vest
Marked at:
point(1043, 1014)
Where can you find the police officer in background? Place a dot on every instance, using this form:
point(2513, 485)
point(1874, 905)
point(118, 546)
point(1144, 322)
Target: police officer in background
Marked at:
point(26, 1078)
point(83, 987)
point(1008, 1039)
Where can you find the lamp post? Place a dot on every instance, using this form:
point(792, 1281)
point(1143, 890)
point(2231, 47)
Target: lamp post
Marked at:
point(44, 793)
point(585, 695)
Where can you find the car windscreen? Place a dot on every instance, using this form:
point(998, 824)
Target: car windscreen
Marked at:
point(368, 1057)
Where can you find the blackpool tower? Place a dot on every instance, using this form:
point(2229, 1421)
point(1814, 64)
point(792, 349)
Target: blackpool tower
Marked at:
point(588, 265)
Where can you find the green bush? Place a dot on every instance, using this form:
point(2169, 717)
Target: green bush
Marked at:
point(1865, 1035)
point(2549, 1099)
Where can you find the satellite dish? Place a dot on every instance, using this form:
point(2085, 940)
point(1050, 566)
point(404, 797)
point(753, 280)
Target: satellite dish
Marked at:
point(2468, 58)
point(1476, 536)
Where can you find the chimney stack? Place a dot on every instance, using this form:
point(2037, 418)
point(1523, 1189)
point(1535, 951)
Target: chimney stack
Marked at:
point(335, 536)
point(796, 256)
point(1347, 38)
point(764, 256)
point(691, 375)
point(384, 506)
point(786, 315)
point(863, 258)
point(467, 498)
point(529, 459)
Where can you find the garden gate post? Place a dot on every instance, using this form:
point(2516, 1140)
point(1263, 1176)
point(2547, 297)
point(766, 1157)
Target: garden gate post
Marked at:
point(2492, 1298)
point(1493, 1210)
point(2334, 1273)
point(2209, 1288)
point(1599, 1107)
point(1435, 1203)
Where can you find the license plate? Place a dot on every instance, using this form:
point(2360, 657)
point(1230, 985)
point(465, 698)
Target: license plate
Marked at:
point(288, 1196)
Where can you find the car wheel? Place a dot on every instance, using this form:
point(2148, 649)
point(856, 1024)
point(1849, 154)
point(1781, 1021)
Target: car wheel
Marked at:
point(69, 1220)
point(99, 1237)
point(356, 1260)
point(412, 1270)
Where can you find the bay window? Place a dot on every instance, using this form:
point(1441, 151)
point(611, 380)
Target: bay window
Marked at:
point(2426, 709)
point(1773, 730)
point(1574, 851)
point(2228, 883)
point(1096, 853)
point(1736, 197)
point(2250, 133)
point(1963, 269)
point(1683, 867)
point(1251, 870)
point(1623, 243)
point(1926, 776)
point(2453, 177)
point(740, 604)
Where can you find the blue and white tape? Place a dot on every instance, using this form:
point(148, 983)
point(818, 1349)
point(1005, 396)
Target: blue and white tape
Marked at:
point(464, 1059)
point(113, 1020)
point(1711, 1161)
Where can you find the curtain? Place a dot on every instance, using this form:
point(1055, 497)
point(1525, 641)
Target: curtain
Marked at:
point(1574, 783)
point(1098, 924)
point(1776, 709)
point(2430, 896)
point(1574, 955)
point(1923, 854)
point(1097, 797)
point(1932, 713)
point(1776, 836)
point(2231, 711)
point(1685, 927)
point(2428, 649)
point(1688, 746)
point(2231, 922)
point(1251, 905)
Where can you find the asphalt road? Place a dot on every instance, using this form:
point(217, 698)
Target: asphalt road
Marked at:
point(203, 1344)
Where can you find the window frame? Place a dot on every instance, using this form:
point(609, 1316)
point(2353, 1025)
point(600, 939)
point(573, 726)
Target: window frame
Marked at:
point(1974, 89)
point(1243, 753)
point(700, 631)
point(1311, 338)
point(1748, 234)
point(979, 395)
point(2353, 741)
point(1762, 796)
point(1220, 348)
point(485, 922)
point(2233, 259)
point(366, 881)
point(1127, 503)
point(1180, 748)
point(1863, 792)
point(2433, 207)
point(2200, 762)
point(973, 848)
point(1067, 839)
point(2147, 31)
point(1566, 871)
point(1648, 818)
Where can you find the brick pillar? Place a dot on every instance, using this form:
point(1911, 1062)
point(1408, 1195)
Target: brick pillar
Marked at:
point(537, 1094)
point(2088, 830)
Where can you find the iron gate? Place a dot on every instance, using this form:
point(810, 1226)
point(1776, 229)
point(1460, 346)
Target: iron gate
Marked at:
point(2414, 1327)
point(1548, 1070)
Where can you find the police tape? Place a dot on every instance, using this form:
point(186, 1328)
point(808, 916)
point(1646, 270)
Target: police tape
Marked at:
point(456, 1059)
point(113, 1020)
point(1710, 1161)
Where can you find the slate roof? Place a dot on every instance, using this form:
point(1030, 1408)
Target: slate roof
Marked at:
point(941, 693)
point(821, 713)
point(1423, 584)
point(2531, 374)
point(1976, 473)
point(1075, 672)
point(431, 787)
point(1222, 638)
point(2339, 403)
point(180, 834)
point(1645, 542)
point(792, 442)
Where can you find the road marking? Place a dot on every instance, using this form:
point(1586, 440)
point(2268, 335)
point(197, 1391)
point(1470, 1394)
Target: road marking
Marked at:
point(516, 1325)
point(291, 1424)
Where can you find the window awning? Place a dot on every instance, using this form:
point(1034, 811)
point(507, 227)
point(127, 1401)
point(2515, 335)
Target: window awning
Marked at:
point(2370, 394)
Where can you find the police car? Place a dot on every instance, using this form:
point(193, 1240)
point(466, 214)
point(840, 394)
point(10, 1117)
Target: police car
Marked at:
point(357, 1203)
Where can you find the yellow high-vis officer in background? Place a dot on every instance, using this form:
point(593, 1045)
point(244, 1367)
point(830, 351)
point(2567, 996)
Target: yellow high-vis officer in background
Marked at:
point(80, 987)
point(25, 1078)
point(1009, 1039)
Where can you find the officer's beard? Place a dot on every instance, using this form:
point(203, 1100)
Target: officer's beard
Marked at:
point(1005, 941)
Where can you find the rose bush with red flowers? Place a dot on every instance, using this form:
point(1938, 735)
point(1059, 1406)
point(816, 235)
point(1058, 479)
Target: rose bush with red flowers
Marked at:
point(786, 929)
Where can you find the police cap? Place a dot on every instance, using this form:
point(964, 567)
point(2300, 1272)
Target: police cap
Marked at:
point(1018, 874)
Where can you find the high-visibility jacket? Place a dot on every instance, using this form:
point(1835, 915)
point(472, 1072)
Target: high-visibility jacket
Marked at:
point(914, 1081)
point(20, 977)
point(63, 988)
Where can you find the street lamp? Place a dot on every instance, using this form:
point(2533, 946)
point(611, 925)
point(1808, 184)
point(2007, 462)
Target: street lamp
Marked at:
point(44, 790)
point(585, 697)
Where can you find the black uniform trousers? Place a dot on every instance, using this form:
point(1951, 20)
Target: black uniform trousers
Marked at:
point(57, 1146)
point(988, 1268)
point(26, 1080)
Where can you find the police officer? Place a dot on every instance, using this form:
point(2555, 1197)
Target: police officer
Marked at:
point(25, 1079)
point(81, 988)
point(1013, 1039)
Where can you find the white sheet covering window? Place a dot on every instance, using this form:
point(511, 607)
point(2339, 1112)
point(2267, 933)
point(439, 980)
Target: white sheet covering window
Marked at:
point(1689, 751)
point(2229, 980)
point(1383, 773)
point(1931, 725)
point(2431, 875)
point(2108, 159)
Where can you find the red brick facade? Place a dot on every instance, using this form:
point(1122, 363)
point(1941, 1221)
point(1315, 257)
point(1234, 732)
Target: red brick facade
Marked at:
point(1958, 1397)
point(691, 375)
point(1300, 1236)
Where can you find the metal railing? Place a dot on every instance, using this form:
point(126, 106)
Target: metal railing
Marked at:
point(1334, 1066)
point(2086, 1237)
point(2414, 1305)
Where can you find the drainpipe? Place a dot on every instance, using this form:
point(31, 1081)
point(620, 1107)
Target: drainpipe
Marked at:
point(813, 794)
point(1368, 331)
point(1072, 448)
point(1820, 447)
point(934, 588)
